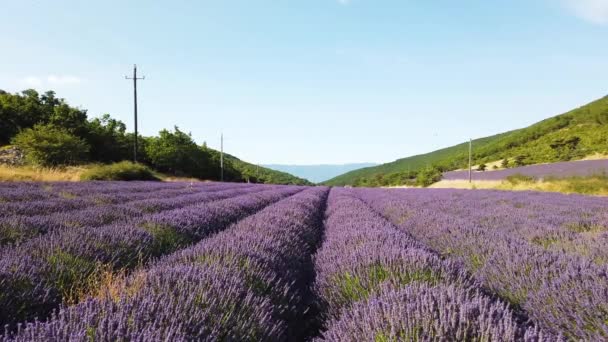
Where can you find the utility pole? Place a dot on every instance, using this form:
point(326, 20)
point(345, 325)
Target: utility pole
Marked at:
point(135, 78)
point(222, 157)
point(470, 160)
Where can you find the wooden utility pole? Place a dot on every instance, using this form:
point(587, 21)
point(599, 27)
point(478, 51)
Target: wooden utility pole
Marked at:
point(470, 160)
point(222, 157)
point(135, 78)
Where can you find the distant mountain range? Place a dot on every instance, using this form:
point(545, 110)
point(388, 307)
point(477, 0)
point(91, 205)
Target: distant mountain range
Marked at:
point(318, 173)
point(570, 136)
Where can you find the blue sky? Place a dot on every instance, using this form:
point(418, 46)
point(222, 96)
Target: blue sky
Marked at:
point(314, 81)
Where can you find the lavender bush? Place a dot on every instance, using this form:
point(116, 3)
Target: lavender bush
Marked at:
point(246, 283)
point(210, 261)
point(37, 276)
point(367, 270)
point(540, 252)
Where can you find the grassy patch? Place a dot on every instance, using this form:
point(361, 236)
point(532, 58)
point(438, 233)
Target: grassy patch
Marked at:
point(166, 239)
point(122, 171)
point(355, 287)
point(519, 178)
point(70, 273)
point(67, 195)
point(412, 334)
point(592, 185)
point(251, 272)
point(39, 174)
point(10, 234)
point(585, 227)
point(545, 242)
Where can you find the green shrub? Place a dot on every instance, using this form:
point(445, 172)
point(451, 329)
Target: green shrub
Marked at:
point(47, 145)
point(590, 185)
point(177, 153)
point(123, 171)
point(519, 178)
point(520, 161)
point(428, 176)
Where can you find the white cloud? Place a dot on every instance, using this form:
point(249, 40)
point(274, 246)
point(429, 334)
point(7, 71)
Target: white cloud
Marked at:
point(31, 81)
point(51, 80)
point(594, 11)
point(63, 80)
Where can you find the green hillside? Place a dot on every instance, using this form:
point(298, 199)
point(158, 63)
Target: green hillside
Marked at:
point(248, 172)
point(573, 135)
point(52, 134)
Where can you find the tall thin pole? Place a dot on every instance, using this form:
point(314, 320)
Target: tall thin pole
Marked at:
point(134, 78)
point(470, 160)
point(222, 157)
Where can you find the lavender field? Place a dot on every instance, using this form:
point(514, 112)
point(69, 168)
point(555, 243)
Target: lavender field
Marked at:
point(148, 261)
point(579, 168)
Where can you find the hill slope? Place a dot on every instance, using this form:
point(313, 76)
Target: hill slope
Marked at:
point(52, 133)
point(260, 174)
point(573, 135)
point(319, 173)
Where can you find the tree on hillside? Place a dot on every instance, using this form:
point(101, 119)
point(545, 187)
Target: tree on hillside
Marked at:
point(601, 118)
point(108, 140)
point(428, 176)
point(565, 149)
point(519, 161)
point(482, 167)
point(21, 111)
point(18, 112)
point(73, 120)
point(177, 153)
point(47, 145)
point(44, 124)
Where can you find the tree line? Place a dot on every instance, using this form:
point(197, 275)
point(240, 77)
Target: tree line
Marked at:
point(52, 133)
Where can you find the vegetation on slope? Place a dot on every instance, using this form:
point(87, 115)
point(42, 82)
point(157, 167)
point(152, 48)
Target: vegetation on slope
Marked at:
point(585, 185)
point(121, 171)
point(592, 185)
point(569, 136)
point(52, 134)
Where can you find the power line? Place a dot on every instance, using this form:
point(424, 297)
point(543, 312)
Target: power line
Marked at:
point(470, 160)
point(135, 78)
point(222, 157)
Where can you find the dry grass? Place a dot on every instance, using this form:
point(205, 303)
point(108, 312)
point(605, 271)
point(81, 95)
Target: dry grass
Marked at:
point(65, 174)
point(34, 174)
point(597, 186)
point(489, 166)
point(464, 184)
point(596, 156)
point(166, 178)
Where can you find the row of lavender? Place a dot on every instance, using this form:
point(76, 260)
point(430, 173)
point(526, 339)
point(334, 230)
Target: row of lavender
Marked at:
point(34, 193)
point(48, 198)
point(24, 220)
point(579, 168)
point(542, 253)
point(377, 283)
point(513, 266)
point(249, 282)
point(66, 263)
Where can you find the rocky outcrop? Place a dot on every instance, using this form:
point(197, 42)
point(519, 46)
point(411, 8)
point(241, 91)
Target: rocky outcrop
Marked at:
point(12, 156)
